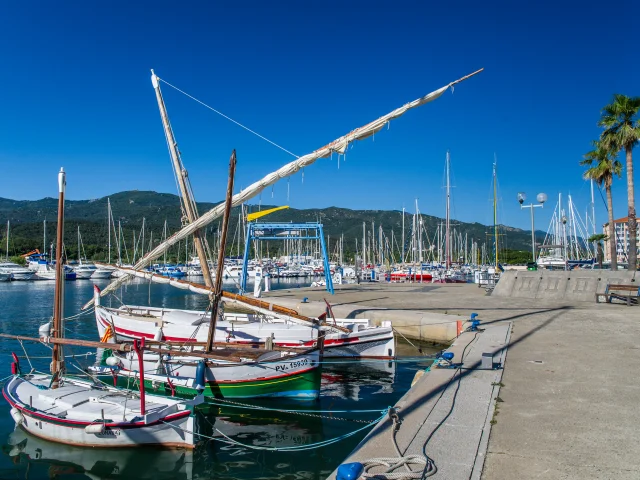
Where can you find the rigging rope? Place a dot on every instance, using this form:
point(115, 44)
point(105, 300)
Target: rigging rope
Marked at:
point(228, 118)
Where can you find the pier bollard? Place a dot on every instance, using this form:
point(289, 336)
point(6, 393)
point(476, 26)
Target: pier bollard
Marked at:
point(458, 327)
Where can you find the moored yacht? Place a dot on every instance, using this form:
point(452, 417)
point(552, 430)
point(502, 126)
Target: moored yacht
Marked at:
point(85, 270)
point(15, 271)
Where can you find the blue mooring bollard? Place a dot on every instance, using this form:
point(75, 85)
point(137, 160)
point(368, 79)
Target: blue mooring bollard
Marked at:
point(350, 471)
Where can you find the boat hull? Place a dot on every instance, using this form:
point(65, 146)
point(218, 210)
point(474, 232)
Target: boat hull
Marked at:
point(33, 411)
point(22, 276)
point(413, 277)
point(359, 343)
point(296, 376)
point(102, 274)
point(83, 274)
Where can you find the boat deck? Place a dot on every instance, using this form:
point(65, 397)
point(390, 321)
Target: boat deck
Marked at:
point(88, 405)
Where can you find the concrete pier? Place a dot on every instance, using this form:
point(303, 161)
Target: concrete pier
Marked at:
point(570, 392)
point(408, 305)
point(447, 414)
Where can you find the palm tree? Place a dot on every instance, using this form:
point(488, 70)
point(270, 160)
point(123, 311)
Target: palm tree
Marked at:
point(622, 132)
point(603, 165)
point(597, 238)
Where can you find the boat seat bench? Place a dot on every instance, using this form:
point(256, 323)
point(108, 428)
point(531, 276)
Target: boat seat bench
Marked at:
point(630, 294)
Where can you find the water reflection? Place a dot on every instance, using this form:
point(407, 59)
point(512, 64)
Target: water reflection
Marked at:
point(34, 458)
point(346, 385)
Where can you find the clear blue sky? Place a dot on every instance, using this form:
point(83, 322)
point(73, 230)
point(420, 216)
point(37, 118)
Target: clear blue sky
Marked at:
point(75, 92)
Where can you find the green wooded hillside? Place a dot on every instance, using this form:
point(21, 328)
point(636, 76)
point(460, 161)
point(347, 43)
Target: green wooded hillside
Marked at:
point(129, 208)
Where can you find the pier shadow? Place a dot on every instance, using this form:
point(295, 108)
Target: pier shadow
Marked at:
point(456, 378)
point(362, 311)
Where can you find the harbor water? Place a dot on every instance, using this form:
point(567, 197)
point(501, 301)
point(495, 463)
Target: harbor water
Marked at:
point(346, 386)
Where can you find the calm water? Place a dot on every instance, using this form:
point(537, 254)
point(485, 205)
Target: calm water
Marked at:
point(24, 306)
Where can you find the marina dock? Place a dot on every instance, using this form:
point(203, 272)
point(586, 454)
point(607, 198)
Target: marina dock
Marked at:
point(567, 398)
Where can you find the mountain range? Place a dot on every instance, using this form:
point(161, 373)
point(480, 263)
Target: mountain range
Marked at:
point(27, 218)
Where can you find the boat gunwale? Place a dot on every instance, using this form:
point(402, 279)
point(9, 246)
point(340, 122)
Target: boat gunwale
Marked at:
point(30, 412)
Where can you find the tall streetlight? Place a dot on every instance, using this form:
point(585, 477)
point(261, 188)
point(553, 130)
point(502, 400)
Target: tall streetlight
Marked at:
point(541, 198)
point(564, 238)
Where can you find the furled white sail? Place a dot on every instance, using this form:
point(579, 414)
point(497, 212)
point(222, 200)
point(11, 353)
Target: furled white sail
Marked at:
point(337, 146)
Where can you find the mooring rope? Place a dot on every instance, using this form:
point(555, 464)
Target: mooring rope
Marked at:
point(428, 467)
point(292, 448)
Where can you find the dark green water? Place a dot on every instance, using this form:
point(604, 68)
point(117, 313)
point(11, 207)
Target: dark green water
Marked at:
point(24, 306)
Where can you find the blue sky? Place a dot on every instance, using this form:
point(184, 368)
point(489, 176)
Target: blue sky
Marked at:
point(75, 92)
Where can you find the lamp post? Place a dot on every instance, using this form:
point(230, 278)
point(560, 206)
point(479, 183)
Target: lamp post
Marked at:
point(541, 198)
point(564, 239)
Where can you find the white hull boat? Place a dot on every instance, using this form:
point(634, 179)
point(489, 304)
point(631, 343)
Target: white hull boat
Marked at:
point(5, 277)
point(183, 326)
point(82, 414)
point(84, 271)
point(16, 271)
point(102, 273)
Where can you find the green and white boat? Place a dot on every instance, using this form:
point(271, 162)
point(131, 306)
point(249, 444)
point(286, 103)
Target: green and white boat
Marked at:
point(272, 374)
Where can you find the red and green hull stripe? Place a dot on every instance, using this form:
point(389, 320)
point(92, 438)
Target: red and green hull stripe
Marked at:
point(305, 385)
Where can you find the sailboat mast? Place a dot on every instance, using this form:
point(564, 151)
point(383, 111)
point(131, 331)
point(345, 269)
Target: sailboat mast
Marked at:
point(79, 257)
point(495, 208)
point(448, 226)
point(7, 240)
point(119, 243)
point(109, 226)
point(217, 288)
point(402, 259)
point(188, 201)
point(57, 364)
point(364, 247)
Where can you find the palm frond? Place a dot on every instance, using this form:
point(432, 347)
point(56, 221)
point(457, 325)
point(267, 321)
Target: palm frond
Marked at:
point(620, 123)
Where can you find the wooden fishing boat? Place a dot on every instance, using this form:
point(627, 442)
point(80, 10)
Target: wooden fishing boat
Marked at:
point(84, 413)
point(347, 338)
point(273, 374)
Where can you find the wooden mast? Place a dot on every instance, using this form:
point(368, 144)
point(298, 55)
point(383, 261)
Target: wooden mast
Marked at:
point(57, 362)
point(217, 290)
point(188, 201)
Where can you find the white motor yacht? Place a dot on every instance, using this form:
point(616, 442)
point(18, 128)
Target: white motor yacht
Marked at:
point(84, 270)
point(16, 271)
point(101, 272)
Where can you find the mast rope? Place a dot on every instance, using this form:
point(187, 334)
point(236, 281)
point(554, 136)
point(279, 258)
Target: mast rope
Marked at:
point(26, 354)
point(229, 118)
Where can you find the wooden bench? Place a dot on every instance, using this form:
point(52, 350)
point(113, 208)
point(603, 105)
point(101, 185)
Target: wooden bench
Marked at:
point(626, 293)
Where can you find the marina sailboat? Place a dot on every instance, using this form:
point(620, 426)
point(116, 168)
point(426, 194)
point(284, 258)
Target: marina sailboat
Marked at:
point(449, 275)
point(13, 271)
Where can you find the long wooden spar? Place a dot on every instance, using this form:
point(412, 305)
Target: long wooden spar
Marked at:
point(253, 302)
point(228, 353)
